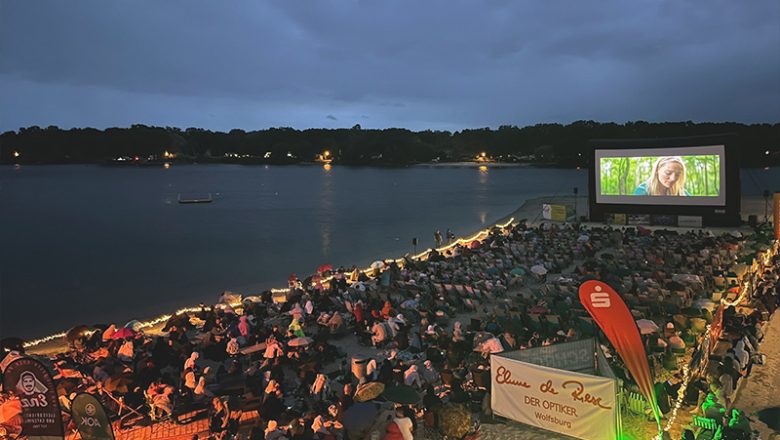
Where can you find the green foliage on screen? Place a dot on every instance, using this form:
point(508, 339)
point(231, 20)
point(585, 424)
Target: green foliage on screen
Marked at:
point(620, 176)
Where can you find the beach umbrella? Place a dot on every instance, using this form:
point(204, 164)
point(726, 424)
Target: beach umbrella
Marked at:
point(325, 268)
point(369, 391)
point(378, 264)
point(123, 333)
point(517, 271)
point(539, 269)
point(134, 325)
point(455, 420)
point(359, 418)
point(646, 326)
point(300, 342)
point(583, 238)
point(402, 394)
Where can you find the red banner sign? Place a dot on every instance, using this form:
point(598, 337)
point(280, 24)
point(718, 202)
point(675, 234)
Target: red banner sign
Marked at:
point(776, 214)
point(616, 321)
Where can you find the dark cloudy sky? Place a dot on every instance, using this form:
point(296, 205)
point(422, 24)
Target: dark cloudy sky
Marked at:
point(416, 64)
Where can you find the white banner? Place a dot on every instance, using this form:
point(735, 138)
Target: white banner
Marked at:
point(574, 404)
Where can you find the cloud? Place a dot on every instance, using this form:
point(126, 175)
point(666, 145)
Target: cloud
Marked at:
point(439, 64)
point(332, 118)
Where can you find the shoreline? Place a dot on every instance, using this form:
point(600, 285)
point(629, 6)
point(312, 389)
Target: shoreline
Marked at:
point(530, 211)
point(54, 343)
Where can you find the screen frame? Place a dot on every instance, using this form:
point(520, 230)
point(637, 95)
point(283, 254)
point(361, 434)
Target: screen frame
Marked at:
point(717, 149)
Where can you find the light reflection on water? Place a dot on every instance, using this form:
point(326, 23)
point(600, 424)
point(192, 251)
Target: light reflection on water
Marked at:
point(325, 214)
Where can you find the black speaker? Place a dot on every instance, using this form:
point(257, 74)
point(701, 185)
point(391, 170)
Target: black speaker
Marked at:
point(753, 220)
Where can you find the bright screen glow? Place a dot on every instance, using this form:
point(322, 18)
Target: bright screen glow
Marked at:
point(662, 176)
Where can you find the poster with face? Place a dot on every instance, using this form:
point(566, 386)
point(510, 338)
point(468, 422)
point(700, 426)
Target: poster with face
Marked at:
point(37, 393)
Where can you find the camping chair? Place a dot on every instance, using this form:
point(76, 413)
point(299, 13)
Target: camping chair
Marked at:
point(635, 403)
point(705, 428)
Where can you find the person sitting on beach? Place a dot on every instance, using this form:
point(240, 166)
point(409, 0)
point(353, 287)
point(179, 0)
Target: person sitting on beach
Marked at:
point(272, 348)
point(738, 426)
point(218, 418)
point(296, 329)
point(336, 322)
point(160, 403)
point(412, 377)
point(126, 351)
point(387, 310)
point(201, 392)
point(325, 426)
point(429, 374)
point(400, 428)
point(273, 432)
point(457, 332)
point(380, 333)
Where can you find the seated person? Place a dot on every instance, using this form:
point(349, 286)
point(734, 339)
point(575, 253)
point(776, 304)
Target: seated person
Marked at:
point(336, 322)
point(160, 402)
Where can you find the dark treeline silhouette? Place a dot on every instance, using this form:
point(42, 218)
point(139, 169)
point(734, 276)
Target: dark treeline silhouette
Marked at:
point(551, 144)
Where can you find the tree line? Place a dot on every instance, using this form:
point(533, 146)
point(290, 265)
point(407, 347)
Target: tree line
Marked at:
point(552, 144)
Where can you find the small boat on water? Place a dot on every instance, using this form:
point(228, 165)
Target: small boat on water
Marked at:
point(195, 198)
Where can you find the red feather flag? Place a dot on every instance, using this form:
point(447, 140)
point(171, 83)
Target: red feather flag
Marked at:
point(616, 321)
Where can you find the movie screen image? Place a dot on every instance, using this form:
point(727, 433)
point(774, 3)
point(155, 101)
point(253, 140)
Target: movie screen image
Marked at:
point(661, 176)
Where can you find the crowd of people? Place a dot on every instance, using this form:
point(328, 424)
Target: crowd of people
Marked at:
point(398, 350)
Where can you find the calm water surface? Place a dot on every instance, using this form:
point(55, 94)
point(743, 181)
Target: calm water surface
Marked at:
point(91, 244)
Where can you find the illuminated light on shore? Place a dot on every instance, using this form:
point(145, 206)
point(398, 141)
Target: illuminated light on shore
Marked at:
point(17, 154)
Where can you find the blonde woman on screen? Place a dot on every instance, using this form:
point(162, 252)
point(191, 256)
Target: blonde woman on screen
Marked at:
point(666, 179)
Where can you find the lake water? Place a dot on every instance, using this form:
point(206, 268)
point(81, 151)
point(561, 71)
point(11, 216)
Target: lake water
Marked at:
point(92, 244)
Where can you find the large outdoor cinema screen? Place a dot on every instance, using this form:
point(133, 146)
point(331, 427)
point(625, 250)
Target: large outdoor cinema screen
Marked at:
point(661, 176)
